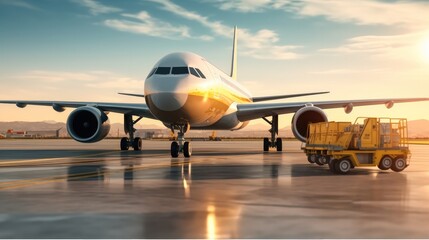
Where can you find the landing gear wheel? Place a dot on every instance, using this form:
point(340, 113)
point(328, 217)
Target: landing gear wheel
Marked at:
point(174, 149)
point(319, 160)
point(279, 145)
point(385, 163)
point(187, 149)
point(343, 166)
point(137, 144)
point(266, 144)
point(124, 144)
point(399, 164)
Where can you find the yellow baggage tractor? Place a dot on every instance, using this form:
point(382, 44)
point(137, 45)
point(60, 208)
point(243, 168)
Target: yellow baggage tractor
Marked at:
point(368, 142)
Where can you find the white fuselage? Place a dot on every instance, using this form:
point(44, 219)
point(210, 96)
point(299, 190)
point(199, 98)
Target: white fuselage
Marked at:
point(183, 88)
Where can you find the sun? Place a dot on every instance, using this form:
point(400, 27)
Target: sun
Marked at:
point(425, 49)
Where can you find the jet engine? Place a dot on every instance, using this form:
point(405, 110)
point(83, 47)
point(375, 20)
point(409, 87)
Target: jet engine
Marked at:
point(304, 116)
point(88, 124)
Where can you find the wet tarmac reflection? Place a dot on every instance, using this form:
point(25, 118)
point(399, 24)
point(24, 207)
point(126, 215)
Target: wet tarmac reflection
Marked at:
point(213, 195)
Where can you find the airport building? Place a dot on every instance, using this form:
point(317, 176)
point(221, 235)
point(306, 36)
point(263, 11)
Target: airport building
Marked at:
point(10, 133)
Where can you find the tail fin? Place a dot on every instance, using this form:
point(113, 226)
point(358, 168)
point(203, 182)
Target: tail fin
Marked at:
point(234, 56)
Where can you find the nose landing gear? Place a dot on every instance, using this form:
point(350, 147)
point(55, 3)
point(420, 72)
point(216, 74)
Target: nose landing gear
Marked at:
point(181, 146)
point(274, 142)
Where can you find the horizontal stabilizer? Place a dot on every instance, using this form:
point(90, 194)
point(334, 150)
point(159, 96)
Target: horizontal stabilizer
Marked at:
point(267, 98)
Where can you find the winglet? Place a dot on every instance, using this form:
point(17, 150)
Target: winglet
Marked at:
point(234, 56)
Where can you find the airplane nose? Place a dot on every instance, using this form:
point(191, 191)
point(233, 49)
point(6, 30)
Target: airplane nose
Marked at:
point(167, 93)
point(169, 101)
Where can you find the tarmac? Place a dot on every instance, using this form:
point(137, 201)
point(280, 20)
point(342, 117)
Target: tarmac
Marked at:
point(227, 189)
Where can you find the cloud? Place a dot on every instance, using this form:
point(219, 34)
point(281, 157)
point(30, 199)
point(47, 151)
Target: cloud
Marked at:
point(244, 5)
point(403, 47)
point(53, 76)
point(144, 23)
point(92, 79)
point(97, 8)
point(261, 45)
point(19, 3)
point(368, 12)
point(341, 71)
point(408, 14)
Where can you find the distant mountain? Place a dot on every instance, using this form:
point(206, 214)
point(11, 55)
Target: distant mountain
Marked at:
point(416, 128)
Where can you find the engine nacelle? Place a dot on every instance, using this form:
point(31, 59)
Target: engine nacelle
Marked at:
point(88, 124)
point(303, 117)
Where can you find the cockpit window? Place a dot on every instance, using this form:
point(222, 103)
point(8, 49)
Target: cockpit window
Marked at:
point(180, 70)
point(193, 72)
point(199, 72)
point(151, 73)
point(163, 70)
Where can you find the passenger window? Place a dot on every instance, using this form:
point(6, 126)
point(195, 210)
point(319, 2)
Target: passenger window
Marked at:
point(180, 70)
point(199, 72)
point(151, 73)
point(193, 72)
point(163, 70)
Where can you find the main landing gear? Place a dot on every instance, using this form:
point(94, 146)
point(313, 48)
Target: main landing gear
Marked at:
point(126, 143)
point(273, 142)
point(181, 146)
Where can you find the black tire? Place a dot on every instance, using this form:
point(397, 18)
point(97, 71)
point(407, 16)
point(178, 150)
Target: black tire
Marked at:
point(187, 149)
point(279, 144)
point(399, 164)
point(331, 165)
point(319, 160)
point(174, 149)
point(311, 158)
point(137, 144)
point(124, 144)
point(326, 159)
point(266, 144)
point(385, 163)
point(343, 166)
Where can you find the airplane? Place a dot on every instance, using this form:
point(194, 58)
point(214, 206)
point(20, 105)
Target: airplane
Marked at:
point(184, 91)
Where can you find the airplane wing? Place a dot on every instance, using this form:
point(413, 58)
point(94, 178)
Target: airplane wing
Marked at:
point(268, 98)
point(250, 111)
point(124, 108)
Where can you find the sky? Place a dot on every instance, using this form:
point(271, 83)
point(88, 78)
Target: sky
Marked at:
point(89, 50)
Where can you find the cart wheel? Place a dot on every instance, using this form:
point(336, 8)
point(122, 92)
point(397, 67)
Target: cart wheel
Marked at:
point(320, 160)
point(343, 166)
point(385, 163)
point(399, 164)
point(311, 158)
point(326, 159)
point(331, 165)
